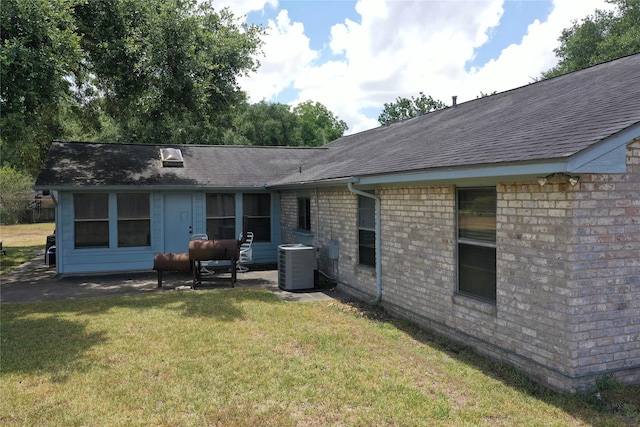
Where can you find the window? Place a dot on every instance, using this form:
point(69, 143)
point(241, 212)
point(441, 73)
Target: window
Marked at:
point(366, 231)
point(257, 208)
point(477, 242)
point(304, 213)
point(134, 220)
point(91, 220)
point(221, 216)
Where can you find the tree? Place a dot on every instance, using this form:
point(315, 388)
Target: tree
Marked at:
point(404, 108)
point(265, 124)
point(39, 50)
point(601, 37)
point(133, 70)
point(14, 198)
point(318, 125)
point(275, 124)
point(167, 68)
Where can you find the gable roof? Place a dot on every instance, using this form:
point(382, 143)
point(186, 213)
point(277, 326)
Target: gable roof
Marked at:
point(83, 164)
point(579, 122)
point(549, 122)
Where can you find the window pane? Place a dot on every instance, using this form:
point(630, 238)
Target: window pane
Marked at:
point(261, 228)
point(477, 270)
point(91, 220)
point(257, 209)
point(221, 205)
point(134, 221)
point(92, 234)
point(366, 231)
point(304, 214)
point(134, 233)
point(367, 247)
point(257, 204)
point(366, 212)
point(221, 228)
point(221, 216)
point(91, 205)
point(477, 214)
point(132, 205)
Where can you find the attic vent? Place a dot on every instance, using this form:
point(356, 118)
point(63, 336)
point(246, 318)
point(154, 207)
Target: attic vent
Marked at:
point(171, 157)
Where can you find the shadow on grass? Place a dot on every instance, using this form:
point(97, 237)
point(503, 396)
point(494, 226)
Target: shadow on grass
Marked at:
point(17, 256)
point(607, 404)
point(47, 346)
point(36, 340)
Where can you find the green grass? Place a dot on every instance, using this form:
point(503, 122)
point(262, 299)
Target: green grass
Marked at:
point(17, 256)
point(244, 358)
point(22, 242)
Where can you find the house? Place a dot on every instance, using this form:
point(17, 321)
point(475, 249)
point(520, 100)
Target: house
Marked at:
point(510, 223)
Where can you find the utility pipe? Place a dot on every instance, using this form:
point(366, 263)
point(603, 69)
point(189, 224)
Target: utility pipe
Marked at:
point(378, 229)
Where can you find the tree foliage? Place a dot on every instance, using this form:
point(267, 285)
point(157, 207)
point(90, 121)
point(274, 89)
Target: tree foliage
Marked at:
point(405, 108)
point(601, 37)
point(317, 124)
point(276, 124)
point(167, 68)
point(122, 70)
point(14, 198)
point(40, 48)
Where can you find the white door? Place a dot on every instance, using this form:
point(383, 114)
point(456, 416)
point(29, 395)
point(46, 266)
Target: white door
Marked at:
point(178, 224)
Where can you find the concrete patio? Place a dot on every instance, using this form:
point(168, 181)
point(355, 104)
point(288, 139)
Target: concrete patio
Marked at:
point(34, 281)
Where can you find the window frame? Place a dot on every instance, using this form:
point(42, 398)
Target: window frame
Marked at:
point(122, 219)
point(304, 213)
point(367, 252)
point(81, 221)
point(476, 244)
point(253, 218)
point(224, 219)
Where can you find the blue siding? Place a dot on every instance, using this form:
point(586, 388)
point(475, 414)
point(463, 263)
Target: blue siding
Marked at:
point(114, 259)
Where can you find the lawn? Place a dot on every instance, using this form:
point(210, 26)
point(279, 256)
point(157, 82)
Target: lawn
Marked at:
point(236, 357)
point(22, 242)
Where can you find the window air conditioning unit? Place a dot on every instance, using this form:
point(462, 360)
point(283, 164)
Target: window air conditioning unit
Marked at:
point(296, 265)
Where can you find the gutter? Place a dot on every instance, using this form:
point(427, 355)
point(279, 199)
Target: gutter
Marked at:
point(378, 228)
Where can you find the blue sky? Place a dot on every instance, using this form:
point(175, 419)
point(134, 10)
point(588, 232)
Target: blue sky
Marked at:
point(353, 56)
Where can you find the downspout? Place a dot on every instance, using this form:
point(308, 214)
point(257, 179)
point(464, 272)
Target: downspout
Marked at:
point(378, 245)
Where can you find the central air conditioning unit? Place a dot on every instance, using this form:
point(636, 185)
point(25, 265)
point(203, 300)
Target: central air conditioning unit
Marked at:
point(296, 265)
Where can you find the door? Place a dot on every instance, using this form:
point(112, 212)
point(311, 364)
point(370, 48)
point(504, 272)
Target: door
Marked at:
point(178, 225)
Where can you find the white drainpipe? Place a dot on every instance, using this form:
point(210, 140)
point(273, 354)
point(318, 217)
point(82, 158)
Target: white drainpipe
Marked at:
point(378, 297)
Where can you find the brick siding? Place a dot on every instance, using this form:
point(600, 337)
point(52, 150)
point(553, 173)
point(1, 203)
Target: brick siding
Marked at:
point(568, 270)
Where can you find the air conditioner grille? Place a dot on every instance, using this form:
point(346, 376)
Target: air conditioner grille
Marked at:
point(296, 264)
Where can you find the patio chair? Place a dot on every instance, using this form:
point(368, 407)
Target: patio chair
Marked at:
point(246, 253)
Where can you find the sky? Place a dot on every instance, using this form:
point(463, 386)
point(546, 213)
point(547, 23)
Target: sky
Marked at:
point(355, 56)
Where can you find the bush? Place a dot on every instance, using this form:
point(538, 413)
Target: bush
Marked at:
point(14, 197)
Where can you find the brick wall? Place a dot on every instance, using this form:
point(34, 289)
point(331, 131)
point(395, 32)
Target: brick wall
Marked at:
point(568, 270)
point(604, 274)
point(533, 235)
point(418, 246)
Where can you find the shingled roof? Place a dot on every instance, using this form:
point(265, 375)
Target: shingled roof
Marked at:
point(82, 164)
point(547, 120)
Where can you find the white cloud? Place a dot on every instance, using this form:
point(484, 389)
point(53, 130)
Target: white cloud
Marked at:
point(402, 47)
point(522, 62)
point(242, 7)
point(287, 56)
